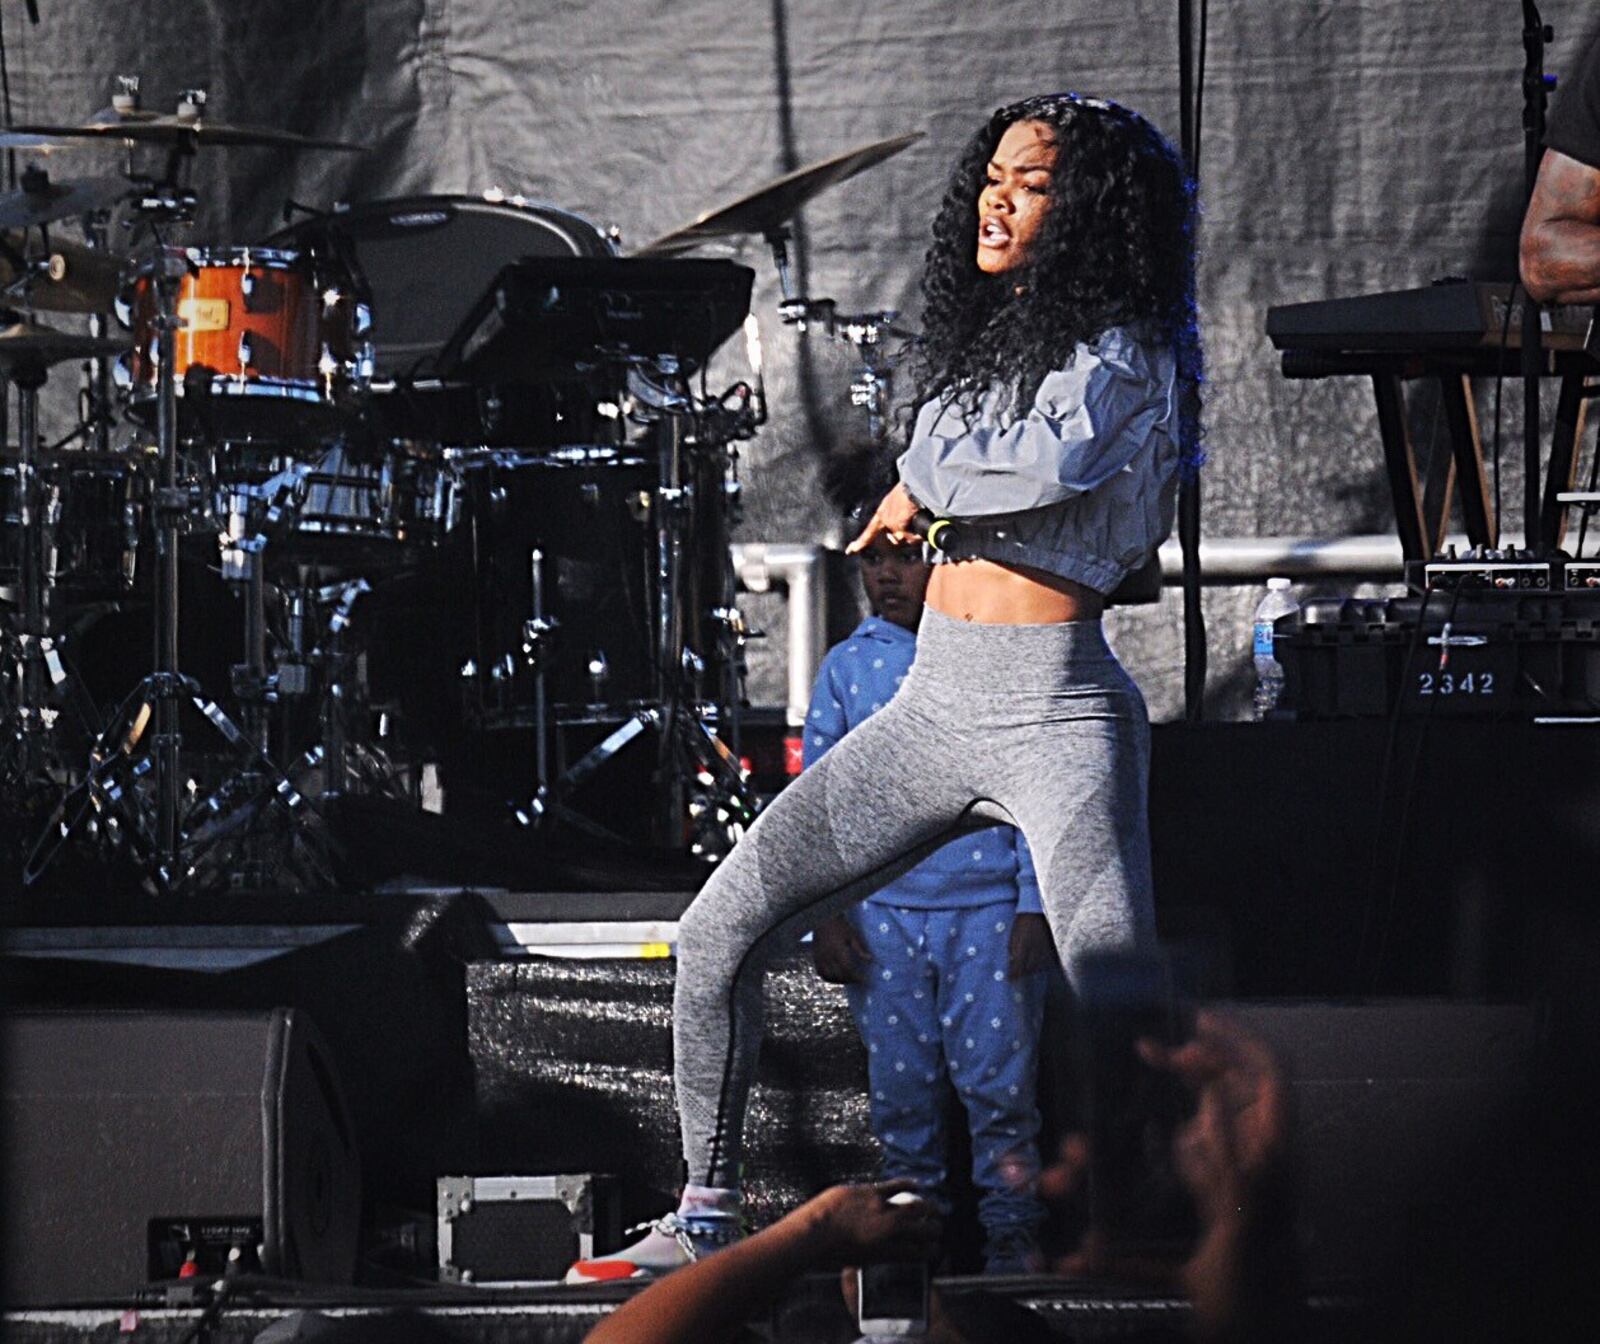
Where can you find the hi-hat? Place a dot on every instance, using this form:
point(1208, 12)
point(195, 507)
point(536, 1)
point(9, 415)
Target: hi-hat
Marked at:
point(769, 206)
point(40, 201)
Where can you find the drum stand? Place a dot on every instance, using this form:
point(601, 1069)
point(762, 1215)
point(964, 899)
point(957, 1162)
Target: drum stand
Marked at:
point(700, 785)
point(123, 785)
point(33, 757)
point(37, 660)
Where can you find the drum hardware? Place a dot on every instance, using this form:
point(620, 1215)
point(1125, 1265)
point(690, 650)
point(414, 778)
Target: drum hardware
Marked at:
point(180, 133)
point(27, 350)
point(252, 514)
point(538, 638)
point(667, 661)
point(39, 201)
point(68, 278)
point(867, 334)
point(129, 761)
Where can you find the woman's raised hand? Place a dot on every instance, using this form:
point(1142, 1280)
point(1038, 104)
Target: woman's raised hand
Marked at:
point(892, 519)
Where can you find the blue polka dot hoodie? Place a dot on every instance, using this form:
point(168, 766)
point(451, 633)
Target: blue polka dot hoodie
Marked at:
point(860, 676)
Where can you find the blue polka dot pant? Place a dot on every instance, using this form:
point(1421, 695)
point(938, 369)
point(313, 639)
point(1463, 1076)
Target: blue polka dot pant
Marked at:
point(937, 1001)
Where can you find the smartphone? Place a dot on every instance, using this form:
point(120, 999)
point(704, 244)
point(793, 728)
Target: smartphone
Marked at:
point(1129, 1110)
point(892, 1299)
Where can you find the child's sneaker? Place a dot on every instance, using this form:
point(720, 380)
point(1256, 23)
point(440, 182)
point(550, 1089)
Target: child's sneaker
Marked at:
point(1012, 1250)
point(672, 1242)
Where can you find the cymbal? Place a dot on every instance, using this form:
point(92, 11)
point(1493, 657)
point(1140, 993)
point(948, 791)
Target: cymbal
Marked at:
point(41, 201)
point(766, 207)
point(28, 344)
point(152, 129)
point(79, 279)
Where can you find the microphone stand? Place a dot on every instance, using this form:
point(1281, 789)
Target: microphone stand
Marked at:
point(1194, 624)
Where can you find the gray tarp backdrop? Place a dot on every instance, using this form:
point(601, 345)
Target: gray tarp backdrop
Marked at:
point(1348, 145)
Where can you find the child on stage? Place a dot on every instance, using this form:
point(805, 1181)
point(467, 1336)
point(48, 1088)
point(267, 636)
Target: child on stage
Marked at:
point(943, 966)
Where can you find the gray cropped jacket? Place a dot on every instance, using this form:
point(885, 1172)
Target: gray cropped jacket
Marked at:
point(1084, 485)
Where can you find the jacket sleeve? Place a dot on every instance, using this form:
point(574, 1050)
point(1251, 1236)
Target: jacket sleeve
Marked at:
point(1088, 421)
point(826, 722)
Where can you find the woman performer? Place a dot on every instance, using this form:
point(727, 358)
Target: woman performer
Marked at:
point(1059, 354)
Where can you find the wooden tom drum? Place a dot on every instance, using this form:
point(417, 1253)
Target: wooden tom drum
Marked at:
point(266, 340)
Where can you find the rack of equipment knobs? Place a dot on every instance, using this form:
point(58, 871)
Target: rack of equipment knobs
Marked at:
point(1505, 636)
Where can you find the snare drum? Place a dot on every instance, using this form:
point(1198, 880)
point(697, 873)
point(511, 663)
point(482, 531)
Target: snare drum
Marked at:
point(275, 340)
point(352, 512)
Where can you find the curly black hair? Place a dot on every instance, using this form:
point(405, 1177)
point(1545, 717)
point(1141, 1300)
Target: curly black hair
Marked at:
point(1116, 249)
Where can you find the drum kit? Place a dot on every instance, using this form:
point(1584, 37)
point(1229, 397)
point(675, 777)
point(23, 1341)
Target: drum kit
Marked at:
point(432, 468)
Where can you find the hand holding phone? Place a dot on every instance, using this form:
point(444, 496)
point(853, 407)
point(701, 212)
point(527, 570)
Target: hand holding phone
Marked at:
point(892, 1298)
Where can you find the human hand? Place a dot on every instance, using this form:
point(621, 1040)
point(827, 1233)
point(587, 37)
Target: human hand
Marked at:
point(858, 1225)
point(839, 952)
point(1233, 1158)
point(1032, 947)
point(1237, 1142)
point(892, 519)
point(1096, 1256)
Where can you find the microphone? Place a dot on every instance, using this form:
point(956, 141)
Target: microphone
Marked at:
point(941, 533)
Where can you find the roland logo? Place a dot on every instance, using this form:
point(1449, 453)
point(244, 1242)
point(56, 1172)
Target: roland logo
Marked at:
point(419, 219)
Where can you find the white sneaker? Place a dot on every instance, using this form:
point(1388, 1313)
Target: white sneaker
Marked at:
point(672, 1242)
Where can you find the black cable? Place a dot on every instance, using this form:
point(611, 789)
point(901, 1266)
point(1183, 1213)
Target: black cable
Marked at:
point(1191, 82)
point(5, 96)
point(1409, 794)
point(1200, 87)
point(1586, 508)
point(211, 1317)
point(1384, 771)
point(1499, 385)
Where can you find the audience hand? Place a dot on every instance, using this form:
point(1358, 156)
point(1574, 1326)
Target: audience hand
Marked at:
point(857, 1225)
point(1237, 1142)
point(1233, 1157)
point(1032, 947)
point(839, 952)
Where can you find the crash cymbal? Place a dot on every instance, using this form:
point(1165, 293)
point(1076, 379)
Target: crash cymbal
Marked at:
point(74, 279)
point(26, 344)
point(144, 128)
point(41, 201)
point(769, 206)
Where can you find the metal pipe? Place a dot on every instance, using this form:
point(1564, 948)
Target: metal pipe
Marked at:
point(1234, 560)
point(800, 569)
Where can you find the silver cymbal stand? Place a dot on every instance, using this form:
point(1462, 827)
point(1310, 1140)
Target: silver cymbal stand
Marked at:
point(171, 508)
point(27, 375)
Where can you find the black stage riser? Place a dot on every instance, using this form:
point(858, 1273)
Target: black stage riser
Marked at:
point(386, 988)
point(1399, 1103)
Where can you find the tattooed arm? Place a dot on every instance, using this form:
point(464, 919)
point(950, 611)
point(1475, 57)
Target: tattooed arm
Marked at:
point(1561, 232)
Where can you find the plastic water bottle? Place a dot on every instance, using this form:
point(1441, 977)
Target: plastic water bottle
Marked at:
point(1279, 601)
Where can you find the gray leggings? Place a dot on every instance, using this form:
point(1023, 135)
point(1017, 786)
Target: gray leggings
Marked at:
point(1036, 725)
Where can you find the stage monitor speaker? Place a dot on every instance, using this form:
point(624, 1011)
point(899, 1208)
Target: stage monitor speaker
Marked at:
point(131, 1142)
point(1407, 1111)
